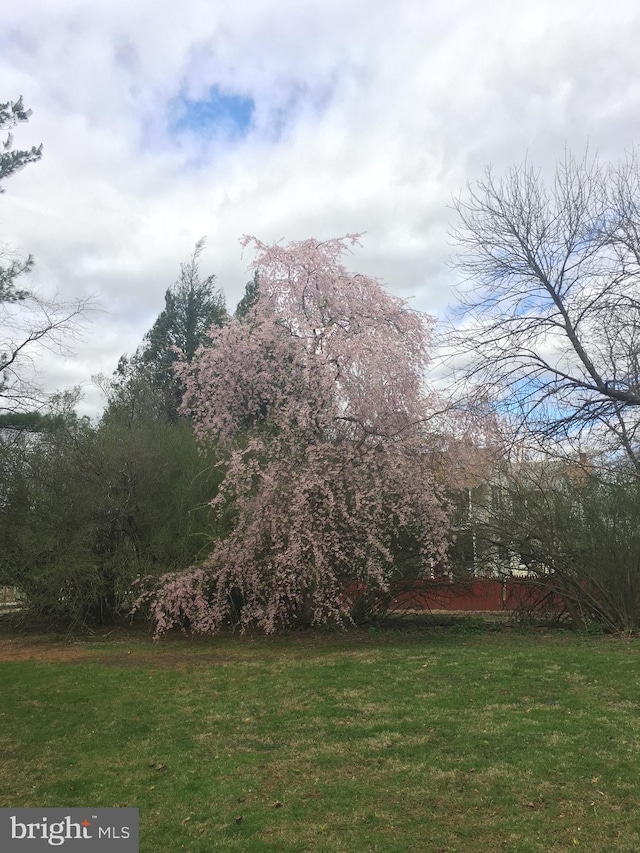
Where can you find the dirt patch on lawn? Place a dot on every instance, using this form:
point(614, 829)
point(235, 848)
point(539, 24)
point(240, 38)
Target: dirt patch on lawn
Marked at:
point(112, 653)
point(42, 652)
point(51, 652)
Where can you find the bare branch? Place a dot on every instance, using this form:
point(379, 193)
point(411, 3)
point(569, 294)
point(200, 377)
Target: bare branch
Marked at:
point(27, 327)
point(551, 300)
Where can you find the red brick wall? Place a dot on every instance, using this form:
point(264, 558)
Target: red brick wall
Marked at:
point(481, 594)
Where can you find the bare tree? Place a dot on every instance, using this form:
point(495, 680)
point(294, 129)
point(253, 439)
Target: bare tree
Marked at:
point(550, 324)
point(30, 327)
point(28, 321)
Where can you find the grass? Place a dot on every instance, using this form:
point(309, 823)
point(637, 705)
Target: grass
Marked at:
point(434, 741)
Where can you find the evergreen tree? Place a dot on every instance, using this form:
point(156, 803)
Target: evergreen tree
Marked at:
point(31, 422)
point(192, 307)
point(11, 114)
point(249, 299)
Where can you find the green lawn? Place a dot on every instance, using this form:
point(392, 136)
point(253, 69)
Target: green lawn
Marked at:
point(430, 742)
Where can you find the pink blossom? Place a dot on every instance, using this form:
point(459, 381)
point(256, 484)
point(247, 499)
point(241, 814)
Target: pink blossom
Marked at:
point(333, 446)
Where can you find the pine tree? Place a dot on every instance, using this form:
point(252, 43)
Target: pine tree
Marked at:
point(192, 307)
point(11, 114)
point(251, 292)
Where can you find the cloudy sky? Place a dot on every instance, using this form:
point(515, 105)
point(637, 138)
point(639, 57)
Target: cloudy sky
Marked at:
point(166, 121)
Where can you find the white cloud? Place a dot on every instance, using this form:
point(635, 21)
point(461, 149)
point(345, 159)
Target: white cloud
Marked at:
point(368, 116)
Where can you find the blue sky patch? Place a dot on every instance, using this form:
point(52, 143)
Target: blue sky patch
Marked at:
point(219, 113)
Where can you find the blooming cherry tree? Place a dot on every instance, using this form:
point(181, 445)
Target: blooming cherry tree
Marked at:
point(318, 398)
